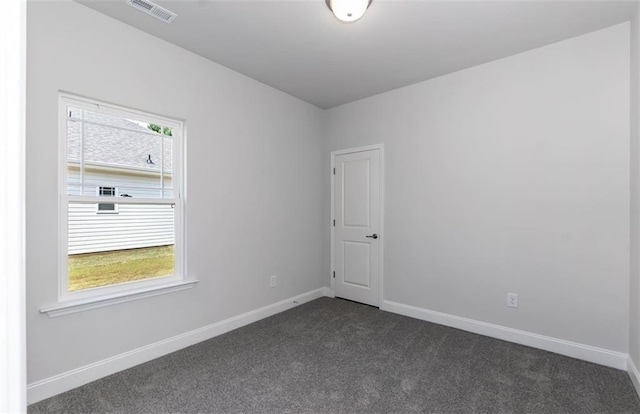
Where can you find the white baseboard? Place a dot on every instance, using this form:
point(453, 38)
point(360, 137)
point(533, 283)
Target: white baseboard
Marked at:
point(633, 374)
point(66, 381)
point(329, 292)
point(589, 353)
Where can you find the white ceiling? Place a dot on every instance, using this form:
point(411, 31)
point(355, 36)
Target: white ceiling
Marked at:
point(297, 46)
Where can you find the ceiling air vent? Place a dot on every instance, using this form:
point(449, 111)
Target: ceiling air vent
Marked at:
point(152, 9)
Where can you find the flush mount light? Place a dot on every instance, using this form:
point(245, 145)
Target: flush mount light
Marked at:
point(348, 10)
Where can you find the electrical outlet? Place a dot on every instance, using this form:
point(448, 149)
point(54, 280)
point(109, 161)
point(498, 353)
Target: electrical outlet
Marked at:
point(273, 281)
point(512, 300)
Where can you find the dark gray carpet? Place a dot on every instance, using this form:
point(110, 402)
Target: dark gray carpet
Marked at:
point(335, 356)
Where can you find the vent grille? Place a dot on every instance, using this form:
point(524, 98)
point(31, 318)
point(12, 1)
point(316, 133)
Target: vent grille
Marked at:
point(153, 9)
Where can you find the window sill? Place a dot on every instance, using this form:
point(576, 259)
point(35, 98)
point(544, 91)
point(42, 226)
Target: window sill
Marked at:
point(67, 308)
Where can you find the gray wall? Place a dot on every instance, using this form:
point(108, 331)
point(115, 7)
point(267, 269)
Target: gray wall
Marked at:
point(254, 170)
point(511, 176)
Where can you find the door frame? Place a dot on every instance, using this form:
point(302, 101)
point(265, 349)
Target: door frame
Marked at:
point(380, 148)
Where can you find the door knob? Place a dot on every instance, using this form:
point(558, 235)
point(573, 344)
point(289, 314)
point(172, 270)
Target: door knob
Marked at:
point(373, 236)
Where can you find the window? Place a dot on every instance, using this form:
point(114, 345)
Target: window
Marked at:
point(103, 208)
point(134, 244)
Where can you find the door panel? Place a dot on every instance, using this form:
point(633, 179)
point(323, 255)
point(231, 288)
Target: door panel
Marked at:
point(357, 254)
point(357, 200)
point(357, 257)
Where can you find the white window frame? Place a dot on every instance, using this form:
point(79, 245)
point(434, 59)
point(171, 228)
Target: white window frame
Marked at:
point(116, 193)
point(70, 302)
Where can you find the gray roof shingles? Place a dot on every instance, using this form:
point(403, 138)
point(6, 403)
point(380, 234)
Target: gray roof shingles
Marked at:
point(105, 143)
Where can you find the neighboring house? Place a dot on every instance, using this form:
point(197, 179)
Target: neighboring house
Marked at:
point(122, 158)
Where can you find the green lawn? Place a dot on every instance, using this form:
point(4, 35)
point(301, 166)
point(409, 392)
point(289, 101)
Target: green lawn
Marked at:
point(105, 268)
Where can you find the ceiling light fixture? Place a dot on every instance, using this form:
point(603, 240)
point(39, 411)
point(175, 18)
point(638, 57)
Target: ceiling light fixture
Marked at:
point(348, 10)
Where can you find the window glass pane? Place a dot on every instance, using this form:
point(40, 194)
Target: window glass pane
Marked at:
point(116, 120)
point(73, 112)
point(74, 134)
point(113, 157)
point(106, 249)
point(108, 150)
point(110, 207)
point(107, 191)
point(167, 168)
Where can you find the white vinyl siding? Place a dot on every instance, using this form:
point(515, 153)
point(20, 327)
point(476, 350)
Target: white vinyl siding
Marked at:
point(138, 184)
point(135, 226)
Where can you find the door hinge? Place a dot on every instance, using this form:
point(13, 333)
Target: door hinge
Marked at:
point(334, 274)
point(334, 222)
point(334, 171)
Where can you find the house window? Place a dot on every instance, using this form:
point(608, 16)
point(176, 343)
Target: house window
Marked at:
point(103, 208)
point(134, 243)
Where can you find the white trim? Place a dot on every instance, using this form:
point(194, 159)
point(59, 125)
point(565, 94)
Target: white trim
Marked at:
point(380, 148)
point(633, 374)
point(584, 352)
point(66, 308)
point(13, 381)
point(358, 149)
point(57, 384)
point(332, 265)
point(382, 232)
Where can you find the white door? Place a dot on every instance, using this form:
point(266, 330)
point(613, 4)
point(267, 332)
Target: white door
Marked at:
point(357, 240)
